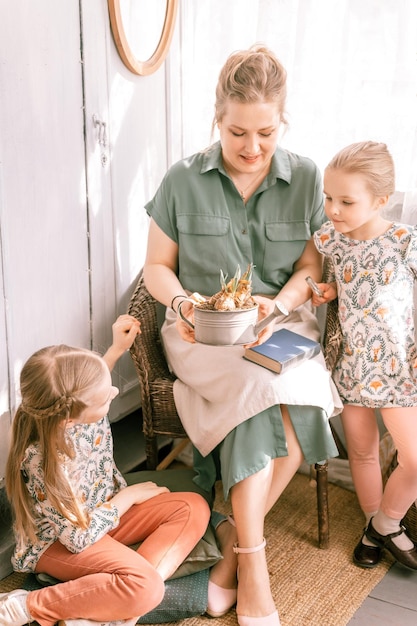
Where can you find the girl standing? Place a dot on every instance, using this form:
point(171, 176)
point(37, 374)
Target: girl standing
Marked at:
point(74, 515)
point(374, 264)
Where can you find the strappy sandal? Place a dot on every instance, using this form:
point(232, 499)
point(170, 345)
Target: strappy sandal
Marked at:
point(245, 620)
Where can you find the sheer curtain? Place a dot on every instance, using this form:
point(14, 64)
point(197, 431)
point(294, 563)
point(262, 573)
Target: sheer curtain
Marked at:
point(352, 71)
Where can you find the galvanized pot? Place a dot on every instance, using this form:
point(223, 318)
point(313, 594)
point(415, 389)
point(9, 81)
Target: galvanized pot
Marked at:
point(227, 328)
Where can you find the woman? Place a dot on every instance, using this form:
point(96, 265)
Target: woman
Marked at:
point(243, 201)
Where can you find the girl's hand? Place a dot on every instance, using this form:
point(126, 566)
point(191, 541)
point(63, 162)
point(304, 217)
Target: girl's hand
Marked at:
point(125, 329)
point(329, 291)
point(136, 494)
point(141, 492)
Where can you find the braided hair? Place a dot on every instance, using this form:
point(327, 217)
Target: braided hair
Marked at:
point(55, 384)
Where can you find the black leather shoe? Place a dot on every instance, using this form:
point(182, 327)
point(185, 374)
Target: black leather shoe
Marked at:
point(405, 557)
point(366, 556)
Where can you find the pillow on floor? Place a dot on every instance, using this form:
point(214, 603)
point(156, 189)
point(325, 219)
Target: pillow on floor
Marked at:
point(184, 597)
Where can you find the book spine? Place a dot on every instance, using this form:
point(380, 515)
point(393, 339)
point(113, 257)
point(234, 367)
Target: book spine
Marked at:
point(308, 354)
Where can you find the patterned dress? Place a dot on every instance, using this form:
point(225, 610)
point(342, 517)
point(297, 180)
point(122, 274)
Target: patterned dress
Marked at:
point(95, 479)
point(375, 280)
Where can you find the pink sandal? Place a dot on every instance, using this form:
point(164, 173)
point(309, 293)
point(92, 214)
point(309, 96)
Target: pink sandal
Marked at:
point(267, 620)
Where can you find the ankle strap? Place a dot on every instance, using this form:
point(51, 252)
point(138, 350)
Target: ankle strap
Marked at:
point(237, 550)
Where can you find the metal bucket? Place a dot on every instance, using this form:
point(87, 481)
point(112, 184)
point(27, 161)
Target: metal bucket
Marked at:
point(225, 328)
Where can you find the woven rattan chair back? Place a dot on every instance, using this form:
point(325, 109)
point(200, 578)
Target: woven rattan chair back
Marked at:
point(332, 338)
point(156, 382)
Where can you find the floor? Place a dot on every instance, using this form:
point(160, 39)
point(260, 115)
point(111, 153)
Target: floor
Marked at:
point(393, 602)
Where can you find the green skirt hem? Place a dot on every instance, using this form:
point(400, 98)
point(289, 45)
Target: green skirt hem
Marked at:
point(249, 447)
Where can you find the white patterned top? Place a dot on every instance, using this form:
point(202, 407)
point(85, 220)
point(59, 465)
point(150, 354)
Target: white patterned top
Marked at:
point(95, 479)
point(375, 281)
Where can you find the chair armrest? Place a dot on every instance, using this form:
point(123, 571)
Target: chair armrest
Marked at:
point(155, 379)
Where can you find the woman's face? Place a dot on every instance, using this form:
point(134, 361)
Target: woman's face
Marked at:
point(249, 135)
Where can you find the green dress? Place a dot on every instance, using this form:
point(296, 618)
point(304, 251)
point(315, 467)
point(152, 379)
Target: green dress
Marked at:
point(198, 207)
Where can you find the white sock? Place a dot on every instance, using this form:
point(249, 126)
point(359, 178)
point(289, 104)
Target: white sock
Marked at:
point(365, 539)
point(22, 601)
point(13, 608)
point(386, 525)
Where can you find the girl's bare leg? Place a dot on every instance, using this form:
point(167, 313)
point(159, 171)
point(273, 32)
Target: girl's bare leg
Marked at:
point(362, 439)
point(401, 488)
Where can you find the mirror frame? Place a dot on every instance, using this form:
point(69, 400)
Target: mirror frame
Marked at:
point(142, 68)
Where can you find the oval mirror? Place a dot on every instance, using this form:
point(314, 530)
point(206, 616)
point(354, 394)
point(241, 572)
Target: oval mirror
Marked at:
point(142, 31)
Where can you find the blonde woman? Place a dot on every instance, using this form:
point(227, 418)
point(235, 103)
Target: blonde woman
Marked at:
point(243, 201)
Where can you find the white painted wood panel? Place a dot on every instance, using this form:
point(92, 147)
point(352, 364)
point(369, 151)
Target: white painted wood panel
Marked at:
point(134, 110)
point(4, 378)
point(72, 214)
point(43, 195)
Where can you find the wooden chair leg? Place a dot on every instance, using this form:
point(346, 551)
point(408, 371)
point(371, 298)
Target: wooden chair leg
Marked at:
point(322, 504)
point(166, 461)
point(151, 451)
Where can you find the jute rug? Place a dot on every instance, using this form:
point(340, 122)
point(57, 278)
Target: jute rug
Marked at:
point(311, 587)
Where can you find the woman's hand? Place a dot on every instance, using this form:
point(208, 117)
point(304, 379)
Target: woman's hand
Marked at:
point(265, 307)
point(329, 292)
point(187, 310)
point(135, 494)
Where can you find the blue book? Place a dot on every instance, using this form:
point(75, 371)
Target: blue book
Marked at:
point(282, 351)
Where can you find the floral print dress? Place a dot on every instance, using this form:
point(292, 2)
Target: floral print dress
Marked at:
point(375, 280)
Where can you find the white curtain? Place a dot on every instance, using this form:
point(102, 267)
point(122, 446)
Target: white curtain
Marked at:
point(352, 71)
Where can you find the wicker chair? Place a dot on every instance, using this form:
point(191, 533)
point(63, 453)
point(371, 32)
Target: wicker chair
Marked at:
point(159, 413)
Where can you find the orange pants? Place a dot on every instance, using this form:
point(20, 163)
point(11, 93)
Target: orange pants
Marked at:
point(110, 581)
